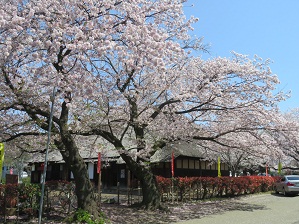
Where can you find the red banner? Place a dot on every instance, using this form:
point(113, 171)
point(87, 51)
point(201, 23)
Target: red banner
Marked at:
point(172, 164)
point(99, 163)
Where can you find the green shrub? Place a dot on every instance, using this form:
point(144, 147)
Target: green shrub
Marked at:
point(82, 216)
point(29, 195)
point(26, 180)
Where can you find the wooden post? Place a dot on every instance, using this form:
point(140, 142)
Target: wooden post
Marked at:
point(129, 185)
point(172, 190)
point(117, 192)
point(99, 190)
point(172, 175)
point(139, 191)
point(99, 164)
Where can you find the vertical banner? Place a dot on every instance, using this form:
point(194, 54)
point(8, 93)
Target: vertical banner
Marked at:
point(219, 167)
point(100, 179)
point(172, 164)
point(1, 159)
point(99, 163)
point(172, 175)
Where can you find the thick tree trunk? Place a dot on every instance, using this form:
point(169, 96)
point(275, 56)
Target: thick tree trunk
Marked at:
point(84, 189)
point(234, 170)
point(70, 153)
point(150, 191)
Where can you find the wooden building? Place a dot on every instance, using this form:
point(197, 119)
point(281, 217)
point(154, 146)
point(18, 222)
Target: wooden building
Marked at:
point(189, 160)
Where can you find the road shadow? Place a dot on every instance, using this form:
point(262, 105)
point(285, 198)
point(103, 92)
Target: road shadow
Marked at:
point(283, 196)
point(242, 206)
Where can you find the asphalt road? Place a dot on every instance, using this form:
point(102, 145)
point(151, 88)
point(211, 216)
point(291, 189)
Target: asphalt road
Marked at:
point(259, 209)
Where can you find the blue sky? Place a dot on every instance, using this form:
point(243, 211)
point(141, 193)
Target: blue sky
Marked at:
point(267, 28)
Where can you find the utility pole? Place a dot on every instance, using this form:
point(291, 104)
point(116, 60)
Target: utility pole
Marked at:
point(46, 158)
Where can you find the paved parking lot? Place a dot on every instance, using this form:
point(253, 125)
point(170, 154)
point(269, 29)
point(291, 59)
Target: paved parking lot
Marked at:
point(261, 209)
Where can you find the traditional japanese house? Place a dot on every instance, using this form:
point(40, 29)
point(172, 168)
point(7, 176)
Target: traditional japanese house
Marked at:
point(189, 160)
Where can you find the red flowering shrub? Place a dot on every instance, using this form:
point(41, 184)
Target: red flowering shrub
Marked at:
point(11, 190)
point(8, 196)
point(183, 182)
point(184, 185)
point(260, 183)
point(164, 184)
point(218, 186)
point(243, 183)
point(226, 186)
point(206, 185)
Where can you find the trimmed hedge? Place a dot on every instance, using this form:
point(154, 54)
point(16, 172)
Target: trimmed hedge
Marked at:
point(207, 187)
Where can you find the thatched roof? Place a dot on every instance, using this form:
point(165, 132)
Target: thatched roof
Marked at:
point(189, 149)
point(88, 155)
point(88, 149)
point(90, 146)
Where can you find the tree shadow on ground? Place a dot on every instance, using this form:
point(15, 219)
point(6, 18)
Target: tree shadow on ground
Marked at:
point(178, 211)
point(281, 195)
point(124, 214)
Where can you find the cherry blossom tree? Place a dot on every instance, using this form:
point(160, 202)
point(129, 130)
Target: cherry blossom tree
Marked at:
point(270, 145)
point(96, 54)
point(248, 151)
point(123, 72)
point(287, 139)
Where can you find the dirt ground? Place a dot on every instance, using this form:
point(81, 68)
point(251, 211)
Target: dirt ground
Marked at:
point(123, 214)
point(178, 211)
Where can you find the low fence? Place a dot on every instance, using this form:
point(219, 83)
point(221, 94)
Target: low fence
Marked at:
point(122, 195)
point(21, 201)
point(194, 188)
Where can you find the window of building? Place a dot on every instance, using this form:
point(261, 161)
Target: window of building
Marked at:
point(203, 165)
point(197, 164)
point(214, 166)
point(191, 164)
point(178, 163)
point(159, 165)
point(226, 167)
point(167, 165)
point(222, 166)
point(185, 164)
